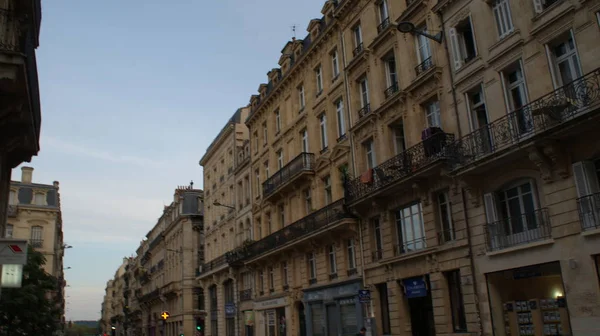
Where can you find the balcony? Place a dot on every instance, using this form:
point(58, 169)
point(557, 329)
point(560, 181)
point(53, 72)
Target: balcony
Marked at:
point(518, 230)
point(589, 211)
point(328, 219)
point(214, 264)
point(549, 115)
point(246, 295)
point(301, 166)
point(36, 243)
point(414, 161)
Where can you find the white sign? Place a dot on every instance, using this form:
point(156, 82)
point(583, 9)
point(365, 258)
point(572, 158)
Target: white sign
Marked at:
point(12, 276)
point(13, 251)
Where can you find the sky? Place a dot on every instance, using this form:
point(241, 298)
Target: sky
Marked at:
point(133, 92)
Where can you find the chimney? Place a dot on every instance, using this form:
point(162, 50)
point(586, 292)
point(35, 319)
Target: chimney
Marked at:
point(26, 174)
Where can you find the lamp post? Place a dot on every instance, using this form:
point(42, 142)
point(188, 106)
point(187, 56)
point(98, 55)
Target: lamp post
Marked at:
point(216, 203)
point(408, 27)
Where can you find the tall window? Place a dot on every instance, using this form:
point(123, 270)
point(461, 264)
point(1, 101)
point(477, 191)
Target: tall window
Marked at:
point(445, 216)
point(339, 110)
point(384, 307)
point(332, 260)
point(255, 135)
point(378, 238)
point(423, 47)
point(8, 232)
point(312, 266)
point(267, 173)
point(280, 159)
point(463, 44)
point(390, 71)
point(357, 39)
point(37, 236)
point(433, 114)
point(277, 121)
point(261, 282)
point(514, 87)
point(301, 99)
point(459, 319)
point(284, 274)
point(281, 209)
point(327, 185)
point(477, 108)
point(12, 198)
point(516, 205)
point(271, 279)
point(364, 92)
point(503, 18)
point(370, 153)
point(351, 254)
point(319, 78)
point(335, 65)
point(265, 133)
point(257, 178)
point(541, 5)
point(304, 137)
point(398, 134)
point(269, 223)
point(383, 11)
point(323, 127)
point(410, 228)
point(308, 200)
point(565, 60)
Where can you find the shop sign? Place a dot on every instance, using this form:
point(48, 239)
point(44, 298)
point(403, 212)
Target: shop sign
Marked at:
point(415, 287)
point(249, 318)
point(229, 309)
point(332, 293)
point(364, 296)
point(267, 304)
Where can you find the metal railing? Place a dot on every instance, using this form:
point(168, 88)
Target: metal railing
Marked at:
point(318, 220)
point(424, 66)
point(214, 264)
point(517, 230)
point(589, 211)
point(407, 163)
point(410, 246)
point(35, 243)
point(246, 295)
point(301, 163)
point(359, 48)
point(537, 117)
point(366, 109)
point(383, 25)
point(391, 90)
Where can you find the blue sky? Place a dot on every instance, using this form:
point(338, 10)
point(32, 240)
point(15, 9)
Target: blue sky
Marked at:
point(133, 91)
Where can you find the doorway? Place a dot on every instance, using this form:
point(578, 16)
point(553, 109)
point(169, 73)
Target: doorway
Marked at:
point(332, 320)
point(420, 307)
point(301, 318)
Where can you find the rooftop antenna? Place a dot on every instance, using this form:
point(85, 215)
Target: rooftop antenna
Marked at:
point(294, 31)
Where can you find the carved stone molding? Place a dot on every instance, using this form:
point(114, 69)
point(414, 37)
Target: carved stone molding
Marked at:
point(558, 157)
point(421, 188)
point(538, 158)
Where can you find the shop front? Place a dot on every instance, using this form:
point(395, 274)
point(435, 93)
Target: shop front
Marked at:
point(272, 316)
point(529, 301)
point(334, 310)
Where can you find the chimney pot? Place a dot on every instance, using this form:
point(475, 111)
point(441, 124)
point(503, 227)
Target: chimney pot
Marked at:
point(26, 174)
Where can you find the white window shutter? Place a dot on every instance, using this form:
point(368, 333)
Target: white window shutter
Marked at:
point(489, 202)
point(538, 6)
point(585, 178)
point(455, 48)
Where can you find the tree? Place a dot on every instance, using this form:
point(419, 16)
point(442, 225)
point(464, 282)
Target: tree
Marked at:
point(30, 310)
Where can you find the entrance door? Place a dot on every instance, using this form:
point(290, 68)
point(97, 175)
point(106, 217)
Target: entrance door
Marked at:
point(421, 316)
point(301, 319)
point(332, 320)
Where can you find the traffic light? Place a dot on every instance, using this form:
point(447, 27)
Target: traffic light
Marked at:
point(165, 315)
point(199, 326)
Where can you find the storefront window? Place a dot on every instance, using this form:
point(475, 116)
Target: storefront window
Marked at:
point(318, 319)
point(348, 317)
point(529, 301)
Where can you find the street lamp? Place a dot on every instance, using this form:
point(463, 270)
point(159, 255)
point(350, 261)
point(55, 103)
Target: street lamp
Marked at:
point(216, 203)
point(408, 27)
point(66, 246)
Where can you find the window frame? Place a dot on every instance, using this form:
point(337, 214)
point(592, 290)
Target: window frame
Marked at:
point(319, 78)
point(332, 257)
point(312, 265)
point(351, 251)
point(280, 163)
point(301, 97)
point(433, 113)
point(458, 46)
point(364, 92)
point(335, 64)
point(323, 129)
point(304, 141)
point(418, 237)
point(341, 125)
point(520, 85)
point(277, 121)
point(422, 44)
point(370, 154)
point(503, 18)
point(553, 61)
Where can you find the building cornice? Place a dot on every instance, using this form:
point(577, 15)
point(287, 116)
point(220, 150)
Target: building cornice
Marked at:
point(217, 142)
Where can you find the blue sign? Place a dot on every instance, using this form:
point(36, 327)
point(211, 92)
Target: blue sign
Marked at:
point(415, 287)
point(364, 296)
point(229, 309)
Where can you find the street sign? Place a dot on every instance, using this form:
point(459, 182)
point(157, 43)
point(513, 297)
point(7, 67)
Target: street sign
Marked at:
point(229, 309)
point(415, 287)
point(13, 251)
point(364, 296)
point(12, 276)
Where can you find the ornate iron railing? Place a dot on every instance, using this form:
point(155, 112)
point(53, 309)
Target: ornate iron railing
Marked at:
point(408, 162)
point(214, 264)
point(366, 109)
point(589, 211)
point(517, 230)
point(391, 90)
point(246, 295)
point(384, 24)
point(424, 66)
point(301, 163)
point(35, 243)
point(316, 221)
point(539, 116)
point(357, 50)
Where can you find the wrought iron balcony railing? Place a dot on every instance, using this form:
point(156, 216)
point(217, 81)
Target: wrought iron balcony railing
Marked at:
point(312, 223)
point(301, 163)
point(424, 66)
point(538, 117)
point(359, 48)
point(384, 24)
point(366, 109)
point(36, 243)
point(517, 230)
point(589, 211)
point(246, 295)
point(407, 163)
point(391, 90)
point(214, 264)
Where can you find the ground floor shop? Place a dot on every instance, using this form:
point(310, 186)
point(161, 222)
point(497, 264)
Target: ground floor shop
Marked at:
point(272, 317)
point(333, 310)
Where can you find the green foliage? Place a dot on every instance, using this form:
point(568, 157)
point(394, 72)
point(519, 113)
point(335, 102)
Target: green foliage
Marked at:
point(29, 310)
point(81, 330)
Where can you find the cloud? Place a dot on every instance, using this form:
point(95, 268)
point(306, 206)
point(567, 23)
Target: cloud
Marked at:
point(81, 150)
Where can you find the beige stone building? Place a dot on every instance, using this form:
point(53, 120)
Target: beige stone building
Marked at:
point(228, 221)
point(165, 273)
point(106, 311)
point(34, 214)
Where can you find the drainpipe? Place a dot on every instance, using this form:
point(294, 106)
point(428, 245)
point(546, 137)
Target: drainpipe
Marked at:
point(450, 70)
point(472, 258)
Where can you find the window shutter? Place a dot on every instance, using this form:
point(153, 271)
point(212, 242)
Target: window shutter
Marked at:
point(585, 178)
point(538, 6)
point(490, 207)
point(455, 48)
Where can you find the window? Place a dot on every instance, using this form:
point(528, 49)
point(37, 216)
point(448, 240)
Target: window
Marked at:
point(12, 198)
point(258, 229)
point(323, 127)
point(477, 108)
point(541, 5)
point(301, 97)
point(351, 254)
point(281, 209)
point(565, 62)
point(37, 236)
point(257, 177)
point(423, 50)
point(39, 199)
point(267, 174)
point(328, 194)
point(445, 217)
point(410, 228)
point(364, 92)
point(312, 266)
point(280, 159)
point(277, 121)
point(398, 138)
point(304, 137)
point(265, 133)
point(390, 71)
point(378, 238)
point(514, 87)
point(319, 77)
point(357, 39)
point(284, 274)
point(384, 307)
point(335, 64)
point(255, 135)
point(261, 282)
point(370, 153)
point(308, 200)
point(503, 17)
point(459, 319)
point(339, 110)
point(271, 279)
point(383, 11)
point(332, 260)
point(598, 17)
point(433, 114)
point(586, 175)
point(464, 48)
point(269, 223)
point(8, 232)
